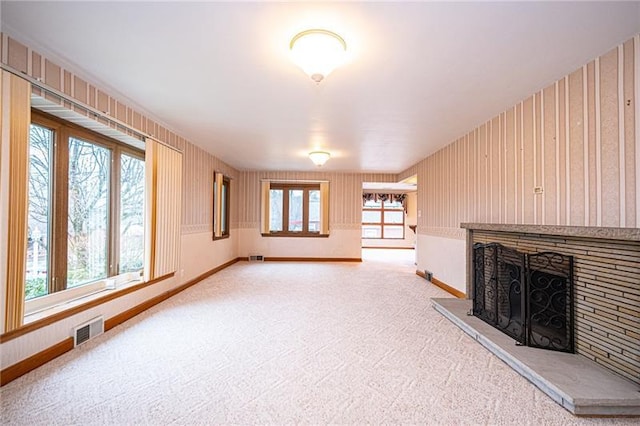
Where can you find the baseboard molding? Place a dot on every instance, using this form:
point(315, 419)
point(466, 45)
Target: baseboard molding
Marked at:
point(388, 248)
point(14, 371)
point(313, 259)
point(23, 367)
point(445, 287)
point(307, 259)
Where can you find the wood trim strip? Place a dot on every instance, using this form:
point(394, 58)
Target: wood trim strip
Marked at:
point(442, 285)
point(130, 313)
point(28, 328)
point(388, 248)
point(313, 259)
point(21, 368)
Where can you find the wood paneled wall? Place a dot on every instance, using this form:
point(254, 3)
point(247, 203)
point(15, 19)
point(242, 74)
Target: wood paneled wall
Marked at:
point(198, 165)
point(345, 195)
point(576, 140)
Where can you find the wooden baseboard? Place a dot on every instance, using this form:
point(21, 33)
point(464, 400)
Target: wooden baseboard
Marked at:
point(445, 287)
point(313, 259)
point(307, 259)
point(388, 248)
point(14, 371)
point(23, 367)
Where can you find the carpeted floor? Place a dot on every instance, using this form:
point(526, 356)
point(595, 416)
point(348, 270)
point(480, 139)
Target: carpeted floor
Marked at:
point(275, 343)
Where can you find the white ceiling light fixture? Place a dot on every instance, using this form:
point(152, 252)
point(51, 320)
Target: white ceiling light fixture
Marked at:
point(318, 52)
point(319, 157)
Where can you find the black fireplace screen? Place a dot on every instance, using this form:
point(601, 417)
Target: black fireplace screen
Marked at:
point(527, 296)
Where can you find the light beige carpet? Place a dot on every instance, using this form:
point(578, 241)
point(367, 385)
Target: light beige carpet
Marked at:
point(276, 343)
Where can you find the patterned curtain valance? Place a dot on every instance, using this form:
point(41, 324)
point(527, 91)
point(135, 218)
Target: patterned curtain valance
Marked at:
point(400, 198)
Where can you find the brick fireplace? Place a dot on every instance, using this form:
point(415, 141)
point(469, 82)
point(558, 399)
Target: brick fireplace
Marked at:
point(606, 284)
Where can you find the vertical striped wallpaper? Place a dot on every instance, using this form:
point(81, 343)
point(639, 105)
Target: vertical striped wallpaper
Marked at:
point(198, 166)
point(345, 195)
point(575, 140)
point(197, 190)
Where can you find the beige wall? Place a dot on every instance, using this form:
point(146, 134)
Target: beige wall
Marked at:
point(345, 216)
point(575, 138)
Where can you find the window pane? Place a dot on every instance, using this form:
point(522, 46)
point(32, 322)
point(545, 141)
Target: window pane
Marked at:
point(88, 212)
point(371, 216)
point(371, 231)
point(394, 232)
point(394, 217)
point(314, 210)
point(224, 209)
point(373, 204)
point(39, 211)
point(295, 210)
point(275, 198)
point(393, 205)
point(131, 214)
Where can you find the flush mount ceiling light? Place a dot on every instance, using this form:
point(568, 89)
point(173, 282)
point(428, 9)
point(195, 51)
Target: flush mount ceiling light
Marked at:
point(318, 52)
point(319, 157)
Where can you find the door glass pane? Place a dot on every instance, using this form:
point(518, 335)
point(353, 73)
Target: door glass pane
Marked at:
point(295, 210)
point(39, 211)
point(314, 210)
point(394, 216)
point(88, 217)
point(371, 231)
point(394, 231)
point(275, 209)
point(371, 216)
point(131, 214)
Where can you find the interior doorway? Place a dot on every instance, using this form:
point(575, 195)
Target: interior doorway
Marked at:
point(389, 222)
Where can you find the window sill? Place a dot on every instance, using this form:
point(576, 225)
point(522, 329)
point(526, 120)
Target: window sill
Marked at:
point(94, 291)
point(62, 311)
point(295, 235)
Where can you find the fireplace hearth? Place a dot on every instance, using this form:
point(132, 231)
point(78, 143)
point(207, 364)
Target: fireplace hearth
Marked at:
point(527, 296)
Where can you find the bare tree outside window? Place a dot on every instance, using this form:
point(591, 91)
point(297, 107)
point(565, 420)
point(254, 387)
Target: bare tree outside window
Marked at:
point(104, 225)
point(39, 211)
point(131, 214)
point(88, 223)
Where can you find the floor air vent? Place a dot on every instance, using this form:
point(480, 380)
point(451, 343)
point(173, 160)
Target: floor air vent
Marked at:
point(256, 258)
point(88, 330)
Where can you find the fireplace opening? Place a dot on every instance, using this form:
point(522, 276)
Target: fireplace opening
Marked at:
point(526, 296)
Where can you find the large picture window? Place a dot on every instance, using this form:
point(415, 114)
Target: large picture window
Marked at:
point(85, 210)
point(383, 219)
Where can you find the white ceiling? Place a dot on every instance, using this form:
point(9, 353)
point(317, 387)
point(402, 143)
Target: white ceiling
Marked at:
point(419, 74)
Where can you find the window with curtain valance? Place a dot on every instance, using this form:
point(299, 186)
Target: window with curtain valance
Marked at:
point(376, 197)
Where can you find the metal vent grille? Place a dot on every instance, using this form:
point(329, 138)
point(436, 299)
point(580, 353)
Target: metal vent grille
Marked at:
point(88, 330)
point(256, 258)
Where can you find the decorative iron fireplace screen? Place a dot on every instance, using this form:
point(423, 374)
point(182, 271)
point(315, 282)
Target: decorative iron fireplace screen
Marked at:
point(527, 296)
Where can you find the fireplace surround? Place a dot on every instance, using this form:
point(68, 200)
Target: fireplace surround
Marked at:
point(606, 284)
